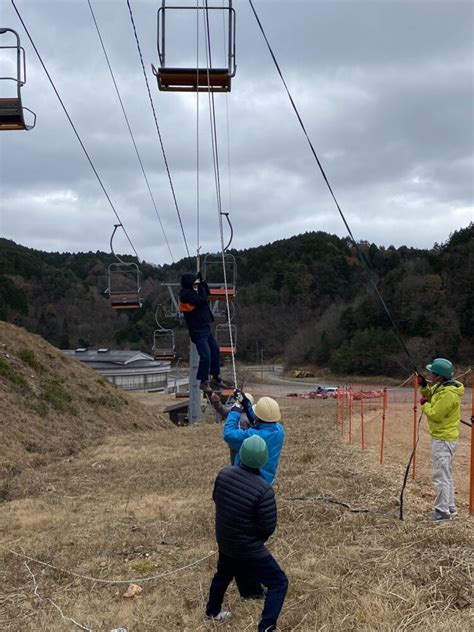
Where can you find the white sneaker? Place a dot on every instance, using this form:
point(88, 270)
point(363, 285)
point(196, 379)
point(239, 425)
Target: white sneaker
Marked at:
point(222, 616)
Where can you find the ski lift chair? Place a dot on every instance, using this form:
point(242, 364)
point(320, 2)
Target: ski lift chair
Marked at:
point(124, 281)
point(164, 347)
point(121, 297)
point(177, 79)
point(11, 109)
point(226, 337)
point(171, 307)
point(213, 273)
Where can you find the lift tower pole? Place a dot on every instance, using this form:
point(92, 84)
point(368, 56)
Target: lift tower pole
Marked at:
point(194, 407)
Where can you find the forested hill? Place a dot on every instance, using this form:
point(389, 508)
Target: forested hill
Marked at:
point(304, 300)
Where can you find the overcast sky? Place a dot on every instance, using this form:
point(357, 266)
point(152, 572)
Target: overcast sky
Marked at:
point(385, 89)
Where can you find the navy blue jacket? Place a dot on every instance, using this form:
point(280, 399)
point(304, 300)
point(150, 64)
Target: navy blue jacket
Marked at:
point(246, 513)
point(194, 304)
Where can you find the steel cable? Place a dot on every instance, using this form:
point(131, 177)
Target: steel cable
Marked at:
point(129, 127)
point(360, 254)
point(157, 127)
point(74, 129)
point(215, 155)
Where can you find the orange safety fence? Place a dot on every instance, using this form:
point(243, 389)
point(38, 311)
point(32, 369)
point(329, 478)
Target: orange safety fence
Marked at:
point(384, 420)
point(387, 419)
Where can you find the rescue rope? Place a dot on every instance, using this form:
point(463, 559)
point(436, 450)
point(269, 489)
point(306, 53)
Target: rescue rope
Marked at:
point(410, 460)
point(170, 180)
point(393, 388)
point(198, 161)
point(215, 156)
point(360, 254)
point(112, 581)
point(89, 159)
point(132, 137)
point(457, 377)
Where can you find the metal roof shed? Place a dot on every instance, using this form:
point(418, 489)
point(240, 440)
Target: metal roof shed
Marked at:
point(130, 370)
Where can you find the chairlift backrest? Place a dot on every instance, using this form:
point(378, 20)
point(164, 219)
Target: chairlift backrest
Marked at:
point(11, 108)
point(124, 286)
point(164, 347)
point(213, 272)
point(226, 337)
point(198, 78)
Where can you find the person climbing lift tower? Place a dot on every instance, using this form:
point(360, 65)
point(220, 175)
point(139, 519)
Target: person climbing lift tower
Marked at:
point(194, 305)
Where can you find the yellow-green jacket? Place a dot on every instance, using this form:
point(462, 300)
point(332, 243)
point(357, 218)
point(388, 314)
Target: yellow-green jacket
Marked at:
point(443, 409)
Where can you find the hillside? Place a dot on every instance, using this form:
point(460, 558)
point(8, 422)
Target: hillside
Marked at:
point(305, 299)
point(53, 407)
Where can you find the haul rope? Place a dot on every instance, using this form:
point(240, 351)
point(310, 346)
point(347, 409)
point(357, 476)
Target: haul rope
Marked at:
point(360, 254)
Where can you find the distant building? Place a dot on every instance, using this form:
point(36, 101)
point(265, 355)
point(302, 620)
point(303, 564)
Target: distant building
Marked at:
point(130, 370)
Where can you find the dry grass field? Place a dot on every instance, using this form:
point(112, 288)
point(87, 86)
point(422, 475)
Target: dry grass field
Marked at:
point(98, 489)
point(139, 505)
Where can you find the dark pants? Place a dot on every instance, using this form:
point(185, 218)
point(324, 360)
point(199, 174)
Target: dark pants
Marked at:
point(265, 571)
point(208, 350)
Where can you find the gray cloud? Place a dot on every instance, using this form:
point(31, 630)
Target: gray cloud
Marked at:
point(385, 90)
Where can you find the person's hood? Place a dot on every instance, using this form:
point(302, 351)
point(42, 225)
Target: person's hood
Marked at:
point(454, 387)
point(188, 279)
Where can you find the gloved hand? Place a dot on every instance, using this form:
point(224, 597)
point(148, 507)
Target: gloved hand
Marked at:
point(423, 400)
point(421, 381)
point(242, 399)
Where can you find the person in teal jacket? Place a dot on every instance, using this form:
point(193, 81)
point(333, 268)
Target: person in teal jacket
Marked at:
point(265, 415)
point(441, 404)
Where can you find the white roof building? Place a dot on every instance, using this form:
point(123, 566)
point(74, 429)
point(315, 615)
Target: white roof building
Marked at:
point(130, 370)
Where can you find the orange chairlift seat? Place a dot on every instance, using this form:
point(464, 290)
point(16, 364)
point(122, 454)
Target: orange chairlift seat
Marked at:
point(200, 79)
point(124, 282)
point(226, 337)
point(11, 108)
point(222, 292)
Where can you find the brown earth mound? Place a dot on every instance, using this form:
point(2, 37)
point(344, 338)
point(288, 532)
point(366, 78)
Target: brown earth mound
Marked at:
point(52, 406)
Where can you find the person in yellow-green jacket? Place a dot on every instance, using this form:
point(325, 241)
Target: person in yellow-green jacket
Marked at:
point(441, 403)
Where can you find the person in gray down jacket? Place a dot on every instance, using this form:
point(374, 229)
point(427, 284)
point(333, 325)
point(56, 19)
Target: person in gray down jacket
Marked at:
point(246, 516)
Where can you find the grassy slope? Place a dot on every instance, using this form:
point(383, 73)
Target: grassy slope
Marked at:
point(141, 505)
point(52, 406)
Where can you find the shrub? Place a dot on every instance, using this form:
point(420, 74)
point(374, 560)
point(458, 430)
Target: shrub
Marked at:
point(10, 374)
point(55, 394)
point(29, 358)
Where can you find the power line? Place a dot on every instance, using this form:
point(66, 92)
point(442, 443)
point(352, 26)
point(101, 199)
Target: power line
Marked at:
point(74, 129)
point(157, 126)
point(360, 254)
point(129, 127)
